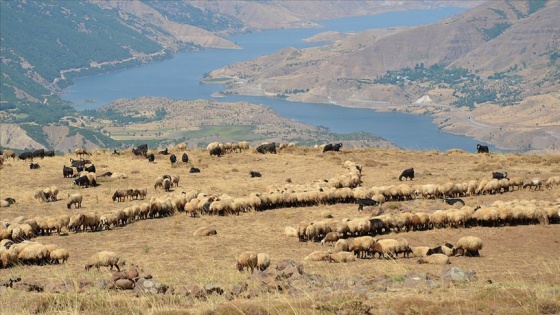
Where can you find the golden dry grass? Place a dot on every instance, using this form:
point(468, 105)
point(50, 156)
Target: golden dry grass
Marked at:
point(519, 271)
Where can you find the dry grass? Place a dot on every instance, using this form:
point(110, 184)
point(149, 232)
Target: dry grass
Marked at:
point(519, 271)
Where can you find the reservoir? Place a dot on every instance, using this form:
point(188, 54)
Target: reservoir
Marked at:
point(180, 76)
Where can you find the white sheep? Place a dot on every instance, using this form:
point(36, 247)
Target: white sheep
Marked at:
point(263, 261)
point(468, 246)
point(437, 259)
point(104, 259)
point(421, 251)
point(74, 199)
point(319, 255)
point(247, 259)
point(342, 257)
point(58, 256)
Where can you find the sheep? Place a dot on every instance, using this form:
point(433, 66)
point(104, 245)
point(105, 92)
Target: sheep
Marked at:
point(118, 175)
point(319, 255)
point(362, 246)
point(167, 184)
point(342, 257)
point(40, 196)
point(74, 199)
point(535, 182)
point(331, 238)
point(391, 247)
point(58, 256)
point(437, 259)
point(175, 180)
point(263, 261)
point(119, 195)
point(342, 245)
point(204, 231)
point(53, 190)
point(248, 260)
point(421, 251)
point(468, 246)
point(104, 259)
point(552, 181)
point(33, 253)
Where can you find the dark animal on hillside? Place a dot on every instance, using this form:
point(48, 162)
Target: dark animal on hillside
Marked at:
point(173, 159)
point(452, 201)
point(267, 148)
point(365, 202)
point(166, 176)
point(185, 158)
point(39, 153)
point(407, 174)
point(194, 170)
point(67, 171)
point(498, 175)
point(217, 151)
point(10, 200)
point(80, 169)
point(82, 181)
point(332, 147)
point(120, 195)
point(115, 152)
point(255, 174)
point(151, 157)
point(482, 148)
point(26, 155)
point(77, 163)
point(140, 150)
point(34, 166)
point(49, 153)
point(164, 152)
point(106, 174)
point(377, 226)
point(90, 168)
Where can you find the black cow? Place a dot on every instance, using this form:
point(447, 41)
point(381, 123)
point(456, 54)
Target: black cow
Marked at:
point(82, 181)
point(194, 170)
point(172, 158)
point(407, 174)
point(267, 148)
point(255, 174)
point(332, 147)
point(452, 201)
point(39, 153)
point(185, 158)
point(34, 166)
point(49, 153)
point(90, 168)
point(151, 157)
point(164, 152)
point(217, 151)
point(67, 171)
point(26, 155)
point(498, 175)
point(482, 148)
point(364, 202)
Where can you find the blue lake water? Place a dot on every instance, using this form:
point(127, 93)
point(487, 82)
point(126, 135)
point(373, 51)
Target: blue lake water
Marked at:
point(179, 78)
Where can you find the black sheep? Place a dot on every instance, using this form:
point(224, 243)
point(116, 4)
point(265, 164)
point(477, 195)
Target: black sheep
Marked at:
point(34, 166)
point(407, 174)
point(67, 171)
point(267, 148)
point(194, 170)
point(482, 149)
point(255, 174)
point(185, 158)
point(172, 158)
point(452, 201)
point(498, 175)
point(364, 202)
point(151, 157)
point(217, 151)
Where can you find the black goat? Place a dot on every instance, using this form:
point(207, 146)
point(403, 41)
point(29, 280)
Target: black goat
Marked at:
point(255, 174)
point(217, 151)
point(151, 157)
point(172, 158)
point(407, 174)
point(267, 148)
point(185, 158)
point(452, 201)
point(194, 170)
point(67, 171)
point(34, 166)
point(332, 147)
point(90, 168)
point(498, 175)
point(482, 149)
point(364, 202)
point(164, 152)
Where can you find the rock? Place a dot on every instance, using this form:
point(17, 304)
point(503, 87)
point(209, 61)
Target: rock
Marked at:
point(124, 284)
point(29, 286)
point(104, 284)
point(213, 288)
point(150, 286)
point(239, 288)
point(196, 292)
point(58, 286)
point(456, 274)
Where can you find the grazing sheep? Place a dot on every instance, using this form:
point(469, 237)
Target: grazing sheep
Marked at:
point(362, 246)
point(421, 251)
point(437, 259)
point(330, 238)
point(342, 245)
point(407, 174)
point(263, 261)
point(58, 256)
point(175, 180)
point(247, 259)
point(535, 183)
point(167, 184)
point(74, 199)
point(468, 246)
point(104, 259)
point(552, 181)
point(120, 195)
point(342, 257)
point(391, 247)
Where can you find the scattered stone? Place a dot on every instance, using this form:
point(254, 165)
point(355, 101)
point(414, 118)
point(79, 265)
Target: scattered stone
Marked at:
point(213, 288)
point(456, 274)
point(58, 286)
point(29, 286)
point(196, 292)
point(150, 286)
point(239, 288)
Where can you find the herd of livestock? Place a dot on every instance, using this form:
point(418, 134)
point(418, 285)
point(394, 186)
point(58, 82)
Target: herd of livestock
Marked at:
point(344, 188)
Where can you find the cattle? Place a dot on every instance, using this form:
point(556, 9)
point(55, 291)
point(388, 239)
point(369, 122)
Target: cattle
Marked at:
point(407, 174)
point(34, 166)
point(217, 151)
point(164, 152)
point(332, 147)
point(452, 201)
point(67, 171)
point(82, 181)
point(49, 153)
point(498, 175)
point(194, 170)
point(185, 158)
point(26, 155)
point(151, 157)
point(90, 168)
point(255, 174)
point(172, 158)
point(267, 148)
point(364, 202)
point(482, 148)
point(39, 153)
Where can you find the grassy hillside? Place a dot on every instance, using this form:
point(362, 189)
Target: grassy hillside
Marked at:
point(518, 271)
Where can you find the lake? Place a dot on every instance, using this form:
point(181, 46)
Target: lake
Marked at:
point(180, 76)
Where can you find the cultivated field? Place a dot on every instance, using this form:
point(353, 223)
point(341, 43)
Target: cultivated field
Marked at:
point(518, 271)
